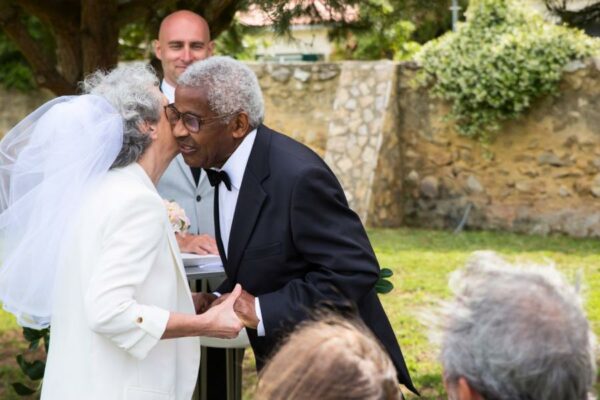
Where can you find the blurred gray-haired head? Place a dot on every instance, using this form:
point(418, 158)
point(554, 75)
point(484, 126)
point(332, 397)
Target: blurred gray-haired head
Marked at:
point(230, 87)
point(516, 332)
point(128, 88)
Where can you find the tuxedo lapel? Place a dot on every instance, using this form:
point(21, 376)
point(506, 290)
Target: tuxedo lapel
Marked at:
point(250, 200)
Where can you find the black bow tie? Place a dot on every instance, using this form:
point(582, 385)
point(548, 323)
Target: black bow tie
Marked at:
point(216, 177)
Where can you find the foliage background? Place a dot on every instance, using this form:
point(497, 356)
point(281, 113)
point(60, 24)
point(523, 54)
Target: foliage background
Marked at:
point(499, 62)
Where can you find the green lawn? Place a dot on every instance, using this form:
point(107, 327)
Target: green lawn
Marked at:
point(421, 261)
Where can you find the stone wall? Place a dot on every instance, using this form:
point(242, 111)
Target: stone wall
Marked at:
point(541, 175)
point(362, 146)
point(299, 99)
point(400, 162)
point(15, 105)
point(348, 113)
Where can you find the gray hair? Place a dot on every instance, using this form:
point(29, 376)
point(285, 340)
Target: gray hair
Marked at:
point(128, 89)
point(230, 85)
point(516, 333)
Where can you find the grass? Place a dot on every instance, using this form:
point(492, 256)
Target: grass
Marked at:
point(11, 344)
point(421, 261)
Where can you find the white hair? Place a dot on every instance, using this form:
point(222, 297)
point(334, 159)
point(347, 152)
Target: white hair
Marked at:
point(128, 88)
point(230, 87)
point(516, 332)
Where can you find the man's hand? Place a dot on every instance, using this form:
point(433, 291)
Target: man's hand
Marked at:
point(220, 299)
point(244, 308)
point(203, 301)
point(197, 244)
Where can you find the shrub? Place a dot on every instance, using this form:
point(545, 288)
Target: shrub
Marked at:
point(498, 62)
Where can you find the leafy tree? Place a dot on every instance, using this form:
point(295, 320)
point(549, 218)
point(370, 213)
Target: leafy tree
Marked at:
point(80, 36)
point(432, 18)
point(392, 28)
point(499, 62)
point(238, 42)
point(385, 40)
point(14, 71)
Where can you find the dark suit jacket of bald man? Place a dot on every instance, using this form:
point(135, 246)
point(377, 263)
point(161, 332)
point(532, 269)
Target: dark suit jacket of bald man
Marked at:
point(295, 243)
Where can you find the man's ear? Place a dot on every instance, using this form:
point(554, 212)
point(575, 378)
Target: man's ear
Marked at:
point(241, 125)
point(157, 49)
point(465, 391)
point(211, 48)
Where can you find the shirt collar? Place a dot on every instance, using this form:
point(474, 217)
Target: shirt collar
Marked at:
point(236, 164)
point(168, 91)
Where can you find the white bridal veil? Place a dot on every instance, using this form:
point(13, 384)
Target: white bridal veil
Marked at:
point(47, 162)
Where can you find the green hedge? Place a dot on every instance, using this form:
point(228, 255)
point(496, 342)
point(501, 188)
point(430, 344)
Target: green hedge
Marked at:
point(498, 62)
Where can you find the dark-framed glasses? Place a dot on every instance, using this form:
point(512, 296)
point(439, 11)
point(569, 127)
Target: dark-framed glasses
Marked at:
point(192, 122)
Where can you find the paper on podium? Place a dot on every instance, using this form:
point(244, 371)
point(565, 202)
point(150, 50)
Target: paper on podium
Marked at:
point(195, 260)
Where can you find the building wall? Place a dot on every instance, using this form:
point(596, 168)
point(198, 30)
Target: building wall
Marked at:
point(306, 39)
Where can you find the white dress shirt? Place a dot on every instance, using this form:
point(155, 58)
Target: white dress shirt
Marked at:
point(168, 91)
point(235, 167)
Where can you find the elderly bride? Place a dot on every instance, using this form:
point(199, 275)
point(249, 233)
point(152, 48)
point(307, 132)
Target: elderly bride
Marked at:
point(88, 248)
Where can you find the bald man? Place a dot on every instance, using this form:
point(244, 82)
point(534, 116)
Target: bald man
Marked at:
point(184, 37)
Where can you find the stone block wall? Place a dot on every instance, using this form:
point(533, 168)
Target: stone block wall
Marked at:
point(15, 105)
point(299, 99)
point(541, 174)
point(348, 113)
point(401, 162)
point(362, 146)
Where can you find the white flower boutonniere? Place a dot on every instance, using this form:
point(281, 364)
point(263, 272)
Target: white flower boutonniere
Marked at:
point(179, 221)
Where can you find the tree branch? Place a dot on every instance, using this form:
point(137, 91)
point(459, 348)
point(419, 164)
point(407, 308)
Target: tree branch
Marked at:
point(99, 34)
point(55, 12)
point(219, 15)
point(43, 67)
point(132, 10)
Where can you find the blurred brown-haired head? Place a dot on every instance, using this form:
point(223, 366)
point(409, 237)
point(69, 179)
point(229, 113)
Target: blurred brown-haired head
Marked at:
point(329, 358)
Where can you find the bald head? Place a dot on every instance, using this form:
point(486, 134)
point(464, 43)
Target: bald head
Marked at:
point(183, 38)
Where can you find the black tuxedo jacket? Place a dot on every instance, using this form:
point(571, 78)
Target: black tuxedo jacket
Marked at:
point(295, 243)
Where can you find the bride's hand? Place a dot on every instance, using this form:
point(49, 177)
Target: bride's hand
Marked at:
point(223, 321)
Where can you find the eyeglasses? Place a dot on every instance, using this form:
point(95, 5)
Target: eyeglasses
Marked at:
point(192, 122)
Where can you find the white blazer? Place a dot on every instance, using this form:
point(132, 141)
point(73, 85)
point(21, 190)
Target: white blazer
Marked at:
point(120, 277)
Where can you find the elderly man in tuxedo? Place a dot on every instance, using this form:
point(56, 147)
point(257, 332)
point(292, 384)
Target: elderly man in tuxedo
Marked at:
point(282, 223)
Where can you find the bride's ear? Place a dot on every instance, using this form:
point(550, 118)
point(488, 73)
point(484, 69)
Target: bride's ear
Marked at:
point(153, 131)
point(150, 129)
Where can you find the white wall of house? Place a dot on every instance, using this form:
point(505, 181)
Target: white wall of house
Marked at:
point(307, 39)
